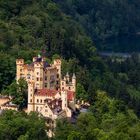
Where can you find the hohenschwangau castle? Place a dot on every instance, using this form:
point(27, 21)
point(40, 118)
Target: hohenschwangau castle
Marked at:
point(48, 93)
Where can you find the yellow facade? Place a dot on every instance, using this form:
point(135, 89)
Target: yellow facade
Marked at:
point(48, 92)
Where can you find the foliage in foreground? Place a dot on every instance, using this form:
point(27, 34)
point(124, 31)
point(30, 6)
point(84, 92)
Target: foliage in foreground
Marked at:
point(18, 92)
point(108, 119)
point(20, 126)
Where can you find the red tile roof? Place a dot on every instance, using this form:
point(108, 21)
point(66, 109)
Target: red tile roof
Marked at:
point(46, 92)
point(52, 93)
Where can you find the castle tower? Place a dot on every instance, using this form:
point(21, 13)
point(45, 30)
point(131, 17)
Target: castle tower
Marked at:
point(20, 70)
point(39, 73)
point(74, 82)
point(63, 84)
point(64, 100)
point(30, 96)
point(57, 64)
point(67, 78)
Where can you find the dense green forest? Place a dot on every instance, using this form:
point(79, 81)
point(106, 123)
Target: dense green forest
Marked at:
point(64, 28)
point(103, 19)
point(108, 119)
point(20, 126)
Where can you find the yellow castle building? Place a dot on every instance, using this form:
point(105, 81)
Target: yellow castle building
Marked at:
point(48, 93)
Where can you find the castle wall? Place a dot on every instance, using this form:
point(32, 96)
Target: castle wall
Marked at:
point(39, 76)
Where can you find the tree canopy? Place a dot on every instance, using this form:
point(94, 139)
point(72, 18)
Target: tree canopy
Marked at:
point(20, 126)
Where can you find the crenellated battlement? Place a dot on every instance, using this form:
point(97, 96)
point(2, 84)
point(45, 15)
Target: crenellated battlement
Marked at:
point(20, 61)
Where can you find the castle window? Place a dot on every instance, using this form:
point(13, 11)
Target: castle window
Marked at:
point(41, 79)
point(45, 84)
point(31, 95)
point(46, 78)
point(28, 76)
point(37, 73)
point(62, 88)
point(37, 100)
point(57, 75)
point(62, 83)
point(37, 79)
point(57, 82)
point(30, 100)
point(20, 70)
point(40, 101)
point(69, 88)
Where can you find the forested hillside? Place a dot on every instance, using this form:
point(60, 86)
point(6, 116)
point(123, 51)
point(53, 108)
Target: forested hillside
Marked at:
point(27, 27)
point(62, 29)
point(103, 19)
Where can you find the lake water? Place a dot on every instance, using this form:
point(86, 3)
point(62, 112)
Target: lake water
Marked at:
point(123, 44)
